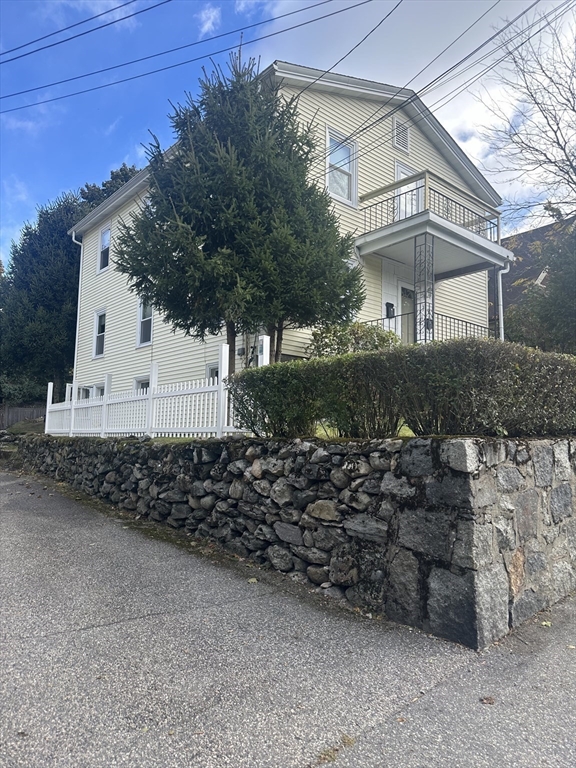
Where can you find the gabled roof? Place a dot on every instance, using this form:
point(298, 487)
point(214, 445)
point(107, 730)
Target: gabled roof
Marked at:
point(344, 85)
point(415, 109)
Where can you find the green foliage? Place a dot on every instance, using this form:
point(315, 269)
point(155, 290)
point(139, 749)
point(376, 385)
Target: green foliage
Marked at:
point(546, 315)
point(94, 194)
point(233, 235)
point(350, 337)
point(461, 387)
point(38, 297)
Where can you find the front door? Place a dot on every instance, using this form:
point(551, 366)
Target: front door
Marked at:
point(409, 199)
point(407, 313)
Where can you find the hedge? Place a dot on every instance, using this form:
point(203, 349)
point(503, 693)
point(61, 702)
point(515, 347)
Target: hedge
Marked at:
point(460, 387)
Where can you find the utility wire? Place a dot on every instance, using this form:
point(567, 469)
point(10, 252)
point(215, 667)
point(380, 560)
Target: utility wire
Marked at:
point(189, 61)
point(436, 82)
point(358, 130)
point(87, 32)
point(65, 29)
point(326, 71)
point(549, 18)
point(164, 53)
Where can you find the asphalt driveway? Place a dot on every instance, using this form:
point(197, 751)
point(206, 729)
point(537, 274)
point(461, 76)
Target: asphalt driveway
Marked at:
point(118, 649)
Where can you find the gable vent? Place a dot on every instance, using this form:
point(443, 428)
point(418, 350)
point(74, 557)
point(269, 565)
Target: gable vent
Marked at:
point(401, 135)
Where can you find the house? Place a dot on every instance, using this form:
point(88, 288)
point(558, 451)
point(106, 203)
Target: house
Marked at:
point(425, 220)
point(526, 270)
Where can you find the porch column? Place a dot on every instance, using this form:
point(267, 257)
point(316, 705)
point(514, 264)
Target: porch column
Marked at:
point(423, 288)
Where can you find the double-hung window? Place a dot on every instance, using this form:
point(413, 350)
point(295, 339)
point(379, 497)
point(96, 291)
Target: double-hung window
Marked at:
point(342, 181)
point(99, 332)
point(144, 324)
point(104, 258)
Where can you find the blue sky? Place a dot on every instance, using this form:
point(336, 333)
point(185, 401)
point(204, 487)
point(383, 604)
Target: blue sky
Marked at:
point(58, 146)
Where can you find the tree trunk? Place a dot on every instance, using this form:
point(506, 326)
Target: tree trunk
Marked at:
point(279, 338)
point(231, 341)
point(271, 331)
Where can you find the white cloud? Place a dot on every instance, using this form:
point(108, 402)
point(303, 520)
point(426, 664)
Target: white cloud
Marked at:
point(109, 130)
point(248, 6)
point(14, 191)
point(59, 11)
point(209, 17)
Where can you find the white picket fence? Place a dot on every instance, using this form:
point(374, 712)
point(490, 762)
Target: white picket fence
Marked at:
point(200, 408)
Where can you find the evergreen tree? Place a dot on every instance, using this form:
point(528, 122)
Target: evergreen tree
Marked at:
point(232, 234)
point(39, 293)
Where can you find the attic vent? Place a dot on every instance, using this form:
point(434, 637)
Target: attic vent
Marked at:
point(401, 135)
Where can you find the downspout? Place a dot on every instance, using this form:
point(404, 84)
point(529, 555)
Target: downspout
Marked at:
point(503, 271)
point(78, 242)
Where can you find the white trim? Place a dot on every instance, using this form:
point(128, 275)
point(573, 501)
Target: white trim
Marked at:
point(139, 380)
point(140, 344)
point(106, 228)
point(212, 366)
point(98, 313)
point(334, 133)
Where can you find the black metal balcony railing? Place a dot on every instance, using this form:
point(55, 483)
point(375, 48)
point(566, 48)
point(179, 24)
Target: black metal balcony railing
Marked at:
point(445, 327)
point(426, 193)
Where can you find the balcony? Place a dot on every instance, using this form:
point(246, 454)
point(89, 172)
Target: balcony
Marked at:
point(465, 229)
point(443, 327)
point(428, 192)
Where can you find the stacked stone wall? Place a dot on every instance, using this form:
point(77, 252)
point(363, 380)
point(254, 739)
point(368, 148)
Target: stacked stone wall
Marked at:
point(464, 538)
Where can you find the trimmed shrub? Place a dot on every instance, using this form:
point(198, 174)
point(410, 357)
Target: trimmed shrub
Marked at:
point(352, 337)
point(461, 387)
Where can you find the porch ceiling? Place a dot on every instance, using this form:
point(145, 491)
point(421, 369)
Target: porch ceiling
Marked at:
point(456, 250)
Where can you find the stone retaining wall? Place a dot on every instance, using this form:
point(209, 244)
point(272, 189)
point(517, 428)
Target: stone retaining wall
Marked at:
point(463, 538)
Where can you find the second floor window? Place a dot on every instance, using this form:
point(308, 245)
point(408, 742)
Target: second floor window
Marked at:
point(341, 168)
point(145, 324)
point(99, 335)
point(104, 249)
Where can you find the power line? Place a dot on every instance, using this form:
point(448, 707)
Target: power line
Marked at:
point(189, 61)
point(549, 18)
point(361, 129)
point(164, 53)
point(87, 32)
point(379, 24)
point(65, 29)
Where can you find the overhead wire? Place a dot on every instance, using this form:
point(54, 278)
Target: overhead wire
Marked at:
point(166, 52)
point(188, 61)
point(65, 29)
point(351, 50)
point(86, 32)
point(549, 18)
point(360, 129)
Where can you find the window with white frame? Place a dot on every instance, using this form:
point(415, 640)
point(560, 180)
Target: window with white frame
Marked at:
point(142, 383)
point(99, 390)
point(401, 135)
point(84, 393)
point(104, 257)
point(341, 171)
point(99, 332)
point(212, 371)
point(144, 324)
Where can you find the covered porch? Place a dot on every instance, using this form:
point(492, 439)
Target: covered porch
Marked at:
point(427, 233)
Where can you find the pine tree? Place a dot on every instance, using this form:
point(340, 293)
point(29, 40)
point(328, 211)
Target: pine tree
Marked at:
point(39, 294)
point(232, 234)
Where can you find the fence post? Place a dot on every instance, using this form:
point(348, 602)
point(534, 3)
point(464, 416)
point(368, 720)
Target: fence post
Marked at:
point(49, 398)
point(150, 405)
point(72, 401)
point(263, 351)
point(105, 399)
point(222, 403)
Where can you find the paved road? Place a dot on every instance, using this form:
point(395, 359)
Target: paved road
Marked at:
point(123, 650)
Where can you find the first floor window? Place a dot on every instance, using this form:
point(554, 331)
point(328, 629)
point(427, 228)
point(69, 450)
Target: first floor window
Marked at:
point(83, 393)
point(100, 331)
point(341, 167)
point(212, 371)
point(104, 248)
point(142, 384)
point(145, 324)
